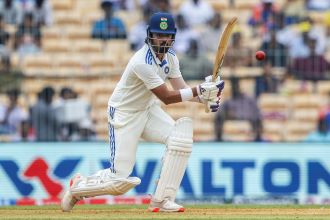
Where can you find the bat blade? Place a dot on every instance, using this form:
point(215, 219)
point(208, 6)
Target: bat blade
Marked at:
point(222, 47)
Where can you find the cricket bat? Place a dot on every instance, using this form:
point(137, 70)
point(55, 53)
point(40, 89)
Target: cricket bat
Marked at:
point(222, 48)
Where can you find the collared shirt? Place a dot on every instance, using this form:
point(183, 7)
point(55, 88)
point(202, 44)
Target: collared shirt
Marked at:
point(109, 28)
point(15, 117)
point(241, 108)
point(196, 14)
point(143, 73)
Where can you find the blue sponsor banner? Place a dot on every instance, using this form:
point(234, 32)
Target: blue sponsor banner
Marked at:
point(235, 172)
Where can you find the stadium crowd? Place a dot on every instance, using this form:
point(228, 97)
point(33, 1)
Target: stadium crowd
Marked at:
point(293, 40)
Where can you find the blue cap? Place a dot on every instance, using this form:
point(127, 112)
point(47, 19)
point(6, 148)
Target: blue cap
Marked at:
point(163, 23)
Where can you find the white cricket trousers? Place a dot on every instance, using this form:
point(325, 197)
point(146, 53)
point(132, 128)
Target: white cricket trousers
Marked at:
point(125, 131)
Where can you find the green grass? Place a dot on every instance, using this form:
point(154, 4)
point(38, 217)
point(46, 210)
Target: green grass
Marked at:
point(111, 212)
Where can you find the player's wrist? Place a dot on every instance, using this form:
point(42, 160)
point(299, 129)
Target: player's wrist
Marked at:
point(186, 94)
point(198, 90)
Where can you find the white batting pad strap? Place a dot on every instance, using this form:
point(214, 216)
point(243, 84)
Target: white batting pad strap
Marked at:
point(180, 144)
point(175, 160)
point(91, 186)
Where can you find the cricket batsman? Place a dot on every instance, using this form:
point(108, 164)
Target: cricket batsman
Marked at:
point(134, 112)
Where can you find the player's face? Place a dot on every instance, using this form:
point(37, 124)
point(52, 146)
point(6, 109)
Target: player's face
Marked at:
point(161, 42)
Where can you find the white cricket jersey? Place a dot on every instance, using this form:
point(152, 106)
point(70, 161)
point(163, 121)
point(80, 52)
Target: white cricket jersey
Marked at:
point(143, 72)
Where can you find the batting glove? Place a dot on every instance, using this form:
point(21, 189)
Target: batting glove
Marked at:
point(209, 78)
point(214, 105)
point(210, 90)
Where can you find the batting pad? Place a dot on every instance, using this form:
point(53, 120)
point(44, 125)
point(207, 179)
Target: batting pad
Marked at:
point(91, 186)
point(175, 160)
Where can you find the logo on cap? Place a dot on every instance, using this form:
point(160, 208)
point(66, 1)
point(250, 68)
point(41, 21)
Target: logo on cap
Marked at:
point(163, 24)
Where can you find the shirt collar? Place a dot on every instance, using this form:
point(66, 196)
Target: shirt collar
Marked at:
point(160, 63)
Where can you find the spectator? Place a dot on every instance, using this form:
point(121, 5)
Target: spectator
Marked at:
point(195, 65)
point(322, 134)
point(4, 41)
point(43, 116)
point(211, 34)
point(11, 116)
point(267, 82)
point(284, 33)
point(109, 27)
point(237, 54)
point(138, 32)
point(238, 107)
point(294, 11)
point(196, 12)
point(126, 5)
point(10, 11)
point(319, 5)
point(42, 13)
point(183, 35)
point(313, 67)
point(158, 5)
point(298, 45)
point(276, 52)
point(71, 110)
point(28, 37)
point(25, 132)
point(262, 17)
point(26, 5)
point(67, 127)
point(327, 26)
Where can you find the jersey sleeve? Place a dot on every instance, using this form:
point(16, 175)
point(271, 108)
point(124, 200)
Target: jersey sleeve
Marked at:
point(148, 76)
point(175, 67)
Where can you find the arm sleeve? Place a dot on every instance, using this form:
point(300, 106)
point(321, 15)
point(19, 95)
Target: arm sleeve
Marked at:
point(175, 70)
point(148, 76)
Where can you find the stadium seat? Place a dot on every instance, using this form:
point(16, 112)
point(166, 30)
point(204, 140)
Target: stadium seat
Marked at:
point(219, 6)
point(323, 87)
point(81, 33)
point(102, 61)
point(305, 115)
point(56, 46)
point(273, 130)
point(69, 61)
point(87, 46)
point(40, 71)
point(297, 130)
point(130, 18)
point(90, 18)
point(93, 6)
point(118, 47)
point(274, 106)
point(313, 101)
point(52, 33)
point(237, 130)
point(243, 4)
point(65, 18)
point(59, 5)
point(241, 71)
point(38, 61)
point(101, 100)
point(296, 86)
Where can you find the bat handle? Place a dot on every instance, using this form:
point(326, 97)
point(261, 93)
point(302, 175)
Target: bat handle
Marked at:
point(207, 110)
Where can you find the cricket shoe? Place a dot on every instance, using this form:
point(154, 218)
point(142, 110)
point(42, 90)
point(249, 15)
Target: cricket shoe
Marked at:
point(68, 201)
point(165, 206)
